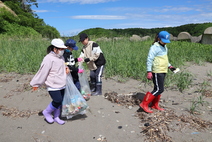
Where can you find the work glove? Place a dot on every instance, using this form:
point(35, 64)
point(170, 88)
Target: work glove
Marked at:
point(149, 75)
point(80, 70)
point(87, 60)
point(79, 59)
point(34, 88)
point(172, 68)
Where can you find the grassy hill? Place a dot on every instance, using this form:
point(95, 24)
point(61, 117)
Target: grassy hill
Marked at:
point(193, 29)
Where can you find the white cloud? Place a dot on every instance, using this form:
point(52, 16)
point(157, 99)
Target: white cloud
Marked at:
point(41, 11)
point(147, 10)
point(70, 32)
point(76, 1)
point(123, 9)
point(206, 15)
point(99, 17)
point(175, 9)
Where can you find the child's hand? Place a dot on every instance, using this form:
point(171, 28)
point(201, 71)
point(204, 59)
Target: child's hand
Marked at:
point(67, 70)
point(172, 68)
point(149, 75)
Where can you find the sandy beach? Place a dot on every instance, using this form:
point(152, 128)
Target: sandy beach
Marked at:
point(107, 120)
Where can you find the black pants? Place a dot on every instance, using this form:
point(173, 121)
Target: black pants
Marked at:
point(96, 75)
point(57, 97)
point(158, 80)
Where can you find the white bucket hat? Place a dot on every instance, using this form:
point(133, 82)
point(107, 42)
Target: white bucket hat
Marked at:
point(58, 43)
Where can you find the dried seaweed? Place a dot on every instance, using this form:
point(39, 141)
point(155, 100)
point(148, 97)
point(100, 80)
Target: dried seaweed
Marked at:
point(122, 99)
point(15, 113)
point(157, 124)
point(207, 93)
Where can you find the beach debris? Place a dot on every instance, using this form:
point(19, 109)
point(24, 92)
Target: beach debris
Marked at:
point(174, 103)
point(14, 112)
point(130, 107)
point(195, 133)
point(128, 100)
point(116, 111)
point(146, 124)
point(161, 122)
point(6, 78)
point(102, 138)
point(207, 93)
point(157, 125)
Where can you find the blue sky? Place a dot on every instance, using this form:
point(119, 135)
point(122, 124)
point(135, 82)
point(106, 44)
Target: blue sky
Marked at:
point(70, 17)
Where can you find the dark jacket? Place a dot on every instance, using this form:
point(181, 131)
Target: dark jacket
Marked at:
point(70, 62)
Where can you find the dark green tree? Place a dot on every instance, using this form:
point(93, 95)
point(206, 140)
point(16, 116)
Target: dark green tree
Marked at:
point(26, 18)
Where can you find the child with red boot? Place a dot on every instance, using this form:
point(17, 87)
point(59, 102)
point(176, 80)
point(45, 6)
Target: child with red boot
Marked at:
point(157, 67)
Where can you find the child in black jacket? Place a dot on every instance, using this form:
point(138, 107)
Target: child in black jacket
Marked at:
point(71, 61)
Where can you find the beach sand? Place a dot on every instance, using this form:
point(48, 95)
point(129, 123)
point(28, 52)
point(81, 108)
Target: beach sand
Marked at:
point(106, 120)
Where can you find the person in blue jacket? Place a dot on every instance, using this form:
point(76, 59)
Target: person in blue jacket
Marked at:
point(157, 67)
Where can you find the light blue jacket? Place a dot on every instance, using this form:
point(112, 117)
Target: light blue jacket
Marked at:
point(157, 60)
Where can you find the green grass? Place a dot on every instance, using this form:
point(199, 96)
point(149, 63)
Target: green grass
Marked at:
point(196, 104)
point(125, 58)
point(22, 55)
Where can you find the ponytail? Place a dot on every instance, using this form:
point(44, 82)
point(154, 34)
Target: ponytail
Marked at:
point(50, 48)
point(156, 38)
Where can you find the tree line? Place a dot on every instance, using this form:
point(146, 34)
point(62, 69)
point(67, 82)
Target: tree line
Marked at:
point(25, 22)
point(193, 29)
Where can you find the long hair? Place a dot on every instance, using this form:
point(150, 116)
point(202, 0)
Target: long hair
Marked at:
point(156, 38)
point(50, 48)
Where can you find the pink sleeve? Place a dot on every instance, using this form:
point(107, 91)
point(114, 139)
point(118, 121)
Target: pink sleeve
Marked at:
point(41, 75)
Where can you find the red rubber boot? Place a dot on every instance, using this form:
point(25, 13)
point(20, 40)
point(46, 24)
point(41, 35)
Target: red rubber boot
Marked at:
point(145, 102)
point(155, 103)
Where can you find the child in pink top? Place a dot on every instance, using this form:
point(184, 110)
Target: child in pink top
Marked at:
point(53, 72)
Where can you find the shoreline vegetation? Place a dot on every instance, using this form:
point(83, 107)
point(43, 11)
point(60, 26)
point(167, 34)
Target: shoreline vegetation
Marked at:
point(125, 59)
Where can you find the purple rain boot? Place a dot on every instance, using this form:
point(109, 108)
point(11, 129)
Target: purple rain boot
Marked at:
point(47, 113)
point(57, 115)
